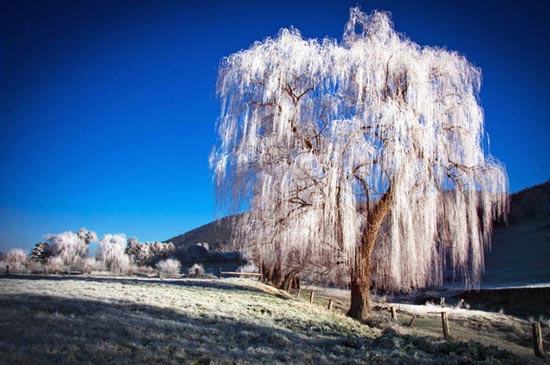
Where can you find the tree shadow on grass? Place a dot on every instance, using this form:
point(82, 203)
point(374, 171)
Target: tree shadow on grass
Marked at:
point(45, 329)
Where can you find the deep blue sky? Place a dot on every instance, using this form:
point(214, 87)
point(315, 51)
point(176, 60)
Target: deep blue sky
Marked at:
point(108, 108)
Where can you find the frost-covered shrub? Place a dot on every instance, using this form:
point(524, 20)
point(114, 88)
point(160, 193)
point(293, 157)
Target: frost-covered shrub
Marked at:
point(90, 264)
point(36, 267)
point(112, 254)
point(55, 265)
point(196, 270)
point(17, 260)
point(169, 267)
point(249, 267)
point(144, 270)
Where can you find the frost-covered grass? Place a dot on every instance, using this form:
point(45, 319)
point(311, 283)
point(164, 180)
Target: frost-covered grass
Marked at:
point(506, 332)
point(192, 321)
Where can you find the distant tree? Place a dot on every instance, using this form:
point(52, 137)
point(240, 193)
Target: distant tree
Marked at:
point(162, 250)
point(71, 247)
point(370, 150)
point(41, 252)
point(139, 253)
point(17, 259)
point(148, 253)
point(86, 236)
point(112, 252)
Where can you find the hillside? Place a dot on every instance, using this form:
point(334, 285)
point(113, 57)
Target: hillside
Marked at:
point(520, 253)
point(530, 204)
point(519, 256)
point(217, 234)
point(68, 320)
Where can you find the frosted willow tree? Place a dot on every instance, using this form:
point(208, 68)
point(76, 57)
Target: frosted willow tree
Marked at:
point(369, 149)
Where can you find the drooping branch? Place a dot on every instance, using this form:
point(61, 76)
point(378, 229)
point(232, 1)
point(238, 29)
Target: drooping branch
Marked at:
point(368, 149)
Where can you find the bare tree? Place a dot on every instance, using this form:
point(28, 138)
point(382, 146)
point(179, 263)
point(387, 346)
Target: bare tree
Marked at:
point(368, 150)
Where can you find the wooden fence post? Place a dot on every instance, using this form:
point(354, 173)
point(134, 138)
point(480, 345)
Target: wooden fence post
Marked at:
point(7, 269)
point(311, 295)
point(445, 325)
point(219, 273)
point(330, 304)
point(298, 293)
point(537, 340)
point(393, 313)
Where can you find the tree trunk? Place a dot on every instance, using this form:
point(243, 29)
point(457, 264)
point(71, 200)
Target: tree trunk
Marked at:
point(360, 281)
point(360, 276)
point(265, 270)
point(287, 281)
point(290, 280)
point(276, 278)
point(267, 273)
point(261, 270)
point(273, 275)
point(296, 282)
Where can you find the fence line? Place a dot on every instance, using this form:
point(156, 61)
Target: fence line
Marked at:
point(220, 273)
point(536, 330)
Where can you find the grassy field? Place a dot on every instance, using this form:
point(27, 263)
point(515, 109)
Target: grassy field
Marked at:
point(85, 320)
point(507, 332)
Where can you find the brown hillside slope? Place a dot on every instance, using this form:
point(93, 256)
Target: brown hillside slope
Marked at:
point(217, 234)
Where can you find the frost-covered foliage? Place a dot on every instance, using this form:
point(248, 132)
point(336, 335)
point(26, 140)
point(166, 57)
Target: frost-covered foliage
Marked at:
point(15, 256)
point(55, 265)
point(90, 264)
point(112, 253)
point(169, 267)
point(41, 252)
point(71, 247)
point(17, 260)
point(87, 236)
point(249, 267)
point(369, 145)
point(69, 252)
point(149, 252)
point(196, 270)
